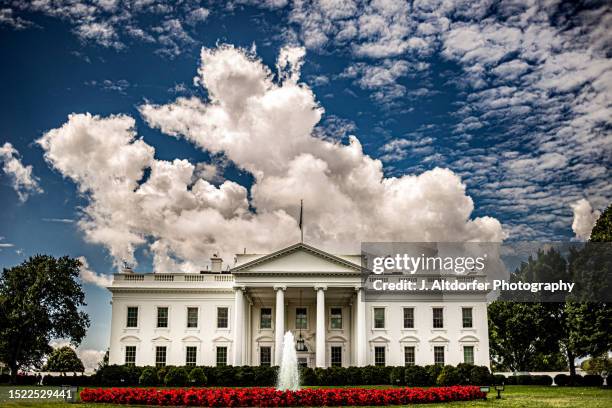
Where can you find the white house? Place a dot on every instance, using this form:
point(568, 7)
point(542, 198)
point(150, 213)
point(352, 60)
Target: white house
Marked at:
point(239, 317)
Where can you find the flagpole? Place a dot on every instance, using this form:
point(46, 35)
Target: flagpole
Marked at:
point(301, 225)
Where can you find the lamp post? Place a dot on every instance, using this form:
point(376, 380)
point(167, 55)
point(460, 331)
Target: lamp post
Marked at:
point(499, 389)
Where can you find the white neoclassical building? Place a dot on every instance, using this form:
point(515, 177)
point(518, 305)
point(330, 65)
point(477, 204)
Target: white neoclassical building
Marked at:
point(239, 316)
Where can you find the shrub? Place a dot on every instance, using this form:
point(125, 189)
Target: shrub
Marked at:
point(448, 376)
point(592, 380)
point(307, 376)
point(609, 380)
point(176, 376)
point(499, 379)
point(480, 375)
point(564, 379)
point(433, 371)
point(161, 374)
point(397, 376)
point(541, 380)
point(78, 380)
point(353, 375)
point(416, 376)
point(197, 376)
point(523, 380)
point(148, 377)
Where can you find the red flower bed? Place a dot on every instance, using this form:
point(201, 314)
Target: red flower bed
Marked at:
point(270, 397)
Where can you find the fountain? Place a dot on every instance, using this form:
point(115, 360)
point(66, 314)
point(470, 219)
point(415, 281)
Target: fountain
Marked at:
point(288, 374)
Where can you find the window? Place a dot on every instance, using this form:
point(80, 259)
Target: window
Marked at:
point(379, 356)
point(468, 354)
point(438, 317)
point(160, 356)
point(222, 317)
point(466, 313)
point(130, 356)
point(439, 355)
point(265, 318)
point(301, 318)
point(408, 318)
point(265, 356)
point(409, 358)
point(192, 317)
point(335, 320)
point(302, 361)
point(191, 354)
point(336, 356)
point(379, 317)
point(132, 316)
point(221, 356)
point(162, 317)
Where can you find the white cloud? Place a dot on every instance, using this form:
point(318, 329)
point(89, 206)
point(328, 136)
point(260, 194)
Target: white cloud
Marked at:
point(89, 276)
point(265, 128)
point(585, 218)
point(8, 18)
point(23, 181)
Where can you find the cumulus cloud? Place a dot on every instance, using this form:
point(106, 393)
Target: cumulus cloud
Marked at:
point(89, 276)
point(267, 128)
point(23, 180)
point(585, 218)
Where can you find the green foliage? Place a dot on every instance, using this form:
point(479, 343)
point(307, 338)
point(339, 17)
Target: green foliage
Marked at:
point(448, 376)
point(591, 380)
point(597, 365)
point(416, 376)
point(308, 376)
point(39, 301)
point(397, 376)
point(480, 375)
point(148, 377)
point(176, 377)
point(63, 360)
point(433, 371)
point(197, 377)
point(602, 231)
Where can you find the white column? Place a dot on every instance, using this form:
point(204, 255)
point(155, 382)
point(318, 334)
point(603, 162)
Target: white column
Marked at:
point(238, 325)
point(279, 326)
point(361, 329)
point(320, 336)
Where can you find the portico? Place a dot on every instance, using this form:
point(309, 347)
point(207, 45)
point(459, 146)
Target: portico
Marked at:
point(310, 293)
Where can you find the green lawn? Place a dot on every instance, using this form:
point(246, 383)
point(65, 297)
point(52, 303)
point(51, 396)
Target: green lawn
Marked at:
point(523, 396)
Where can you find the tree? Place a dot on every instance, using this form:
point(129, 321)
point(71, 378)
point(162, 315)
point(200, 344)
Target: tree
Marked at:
point(63, 360)
point(597, 365)
point(602, 231)
point(39, 301)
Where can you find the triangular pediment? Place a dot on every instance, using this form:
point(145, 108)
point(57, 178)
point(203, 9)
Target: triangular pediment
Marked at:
point(299, 258)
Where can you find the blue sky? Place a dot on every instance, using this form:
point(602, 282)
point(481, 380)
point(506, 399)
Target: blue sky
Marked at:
point(509, 101)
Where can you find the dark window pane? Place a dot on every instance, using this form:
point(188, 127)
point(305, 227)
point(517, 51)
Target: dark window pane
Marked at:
point(162, 317)
point(379, 317)
point(336, 356)
point(222, 317)
point(130, 355)
point(409, 356)
point(468, 354)
point(301, 318)
point(132, 316)
point(438, 318)
point(221, 356)
point(467, 317)
point(265, 356)
point(160, 356)
point(192, 317)
point(439, 355)
point(379, 356)
point(408, 318)
point(265, 318)
point(191, 354)
point(335, 319)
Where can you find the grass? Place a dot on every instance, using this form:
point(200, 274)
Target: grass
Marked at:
point(515, 396)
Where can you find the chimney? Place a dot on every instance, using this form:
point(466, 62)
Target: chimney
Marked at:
point(216, 264)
